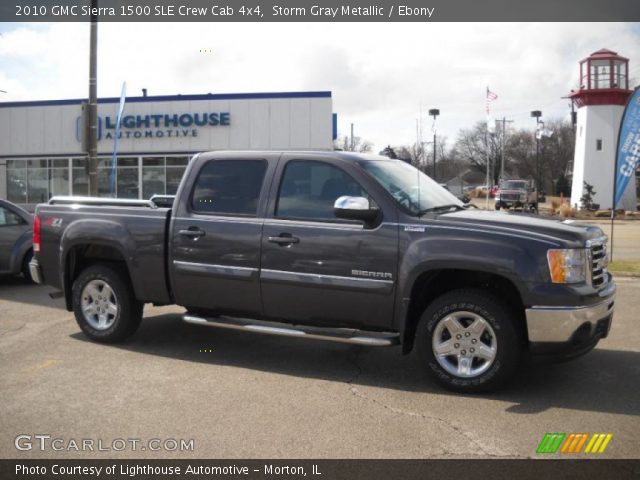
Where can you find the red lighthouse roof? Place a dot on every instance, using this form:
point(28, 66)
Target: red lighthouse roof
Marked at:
point(605, 53)
point(604, 79)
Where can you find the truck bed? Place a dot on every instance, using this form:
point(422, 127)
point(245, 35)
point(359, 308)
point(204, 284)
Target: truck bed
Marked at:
point(74, 227)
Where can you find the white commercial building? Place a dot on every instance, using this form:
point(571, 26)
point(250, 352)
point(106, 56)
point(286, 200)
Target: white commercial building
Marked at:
point(41, 154)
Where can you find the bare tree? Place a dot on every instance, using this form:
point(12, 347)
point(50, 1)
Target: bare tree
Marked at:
point(343, 142)
point(477, 146)
point(556, 154)
point(520, 150)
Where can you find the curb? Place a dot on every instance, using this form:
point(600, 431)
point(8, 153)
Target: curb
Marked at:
point(625, 274)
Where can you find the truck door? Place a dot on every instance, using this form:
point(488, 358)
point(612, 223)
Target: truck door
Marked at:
point(216, 235)
point(12, 227)
point(316, 268)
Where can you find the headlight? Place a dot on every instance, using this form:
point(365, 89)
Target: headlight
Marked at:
point(567, 265)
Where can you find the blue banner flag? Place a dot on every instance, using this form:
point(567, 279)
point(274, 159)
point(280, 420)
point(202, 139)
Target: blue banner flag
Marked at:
point(628, 146)
point(116, 137)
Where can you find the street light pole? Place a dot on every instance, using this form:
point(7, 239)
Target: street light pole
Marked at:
point(434, 112)
point(537, 114)
point(92, 104)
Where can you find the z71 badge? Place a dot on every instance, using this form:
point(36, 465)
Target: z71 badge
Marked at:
point(54, 222)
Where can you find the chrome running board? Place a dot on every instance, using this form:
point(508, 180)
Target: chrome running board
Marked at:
point(341, 335)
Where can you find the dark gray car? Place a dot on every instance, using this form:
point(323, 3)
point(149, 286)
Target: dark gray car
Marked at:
point(16, 249)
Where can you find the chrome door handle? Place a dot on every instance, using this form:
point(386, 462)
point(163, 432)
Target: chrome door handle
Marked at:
point(284, 240)
point(192, 232)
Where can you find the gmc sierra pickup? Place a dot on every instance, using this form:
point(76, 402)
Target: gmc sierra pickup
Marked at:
point(353, 248)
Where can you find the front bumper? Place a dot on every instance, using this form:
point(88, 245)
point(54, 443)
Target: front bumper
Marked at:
point(570, 329)
point(35, 271)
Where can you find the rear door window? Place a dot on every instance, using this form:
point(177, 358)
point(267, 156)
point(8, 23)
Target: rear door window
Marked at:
point(229, 187)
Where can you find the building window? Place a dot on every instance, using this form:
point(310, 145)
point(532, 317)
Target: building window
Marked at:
point(153, 176)
point(599, 144)
point(175, 170)
point(37, 180)
point(128, 184)
point(58, 177)
point(80, 185)
point(17, 181)
point(600, 74)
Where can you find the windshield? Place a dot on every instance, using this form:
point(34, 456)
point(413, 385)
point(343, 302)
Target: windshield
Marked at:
point(513, 185)
point(410, 188)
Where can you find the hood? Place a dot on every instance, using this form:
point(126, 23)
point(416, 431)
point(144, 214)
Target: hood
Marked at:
point(573, 232)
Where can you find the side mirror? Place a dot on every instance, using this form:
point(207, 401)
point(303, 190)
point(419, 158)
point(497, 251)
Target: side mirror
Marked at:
point(355, 208)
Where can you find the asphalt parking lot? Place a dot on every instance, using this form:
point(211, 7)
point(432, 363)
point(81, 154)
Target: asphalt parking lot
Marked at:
point(241, 395)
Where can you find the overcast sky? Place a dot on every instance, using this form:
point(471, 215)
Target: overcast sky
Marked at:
point(380, 74)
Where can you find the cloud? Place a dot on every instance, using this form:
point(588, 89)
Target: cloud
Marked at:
point(380, 74)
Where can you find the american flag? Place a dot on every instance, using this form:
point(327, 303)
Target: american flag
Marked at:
point(490, 98)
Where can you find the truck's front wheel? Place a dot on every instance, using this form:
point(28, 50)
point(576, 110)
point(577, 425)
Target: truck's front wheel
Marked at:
point(469, 340)
point(104, 304)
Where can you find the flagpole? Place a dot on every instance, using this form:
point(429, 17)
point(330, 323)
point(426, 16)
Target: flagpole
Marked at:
point(613, 212)
point(116, 137)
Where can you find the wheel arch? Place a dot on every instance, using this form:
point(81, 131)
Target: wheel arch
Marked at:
point(82, 255)
point(431, 284)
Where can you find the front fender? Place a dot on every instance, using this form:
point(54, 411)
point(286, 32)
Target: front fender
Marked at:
point(520, 261)
point(517, 262)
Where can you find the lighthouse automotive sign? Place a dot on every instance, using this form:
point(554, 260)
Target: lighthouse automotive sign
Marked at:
point(158, 125)
point(628, 146)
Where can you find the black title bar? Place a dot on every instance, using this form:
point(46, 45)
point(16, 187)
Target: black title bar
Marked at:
point(530, 469)
point(320, 10)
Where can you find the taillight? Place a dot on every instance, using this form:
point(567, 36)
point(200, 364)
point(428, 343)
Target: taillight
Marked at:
point(36, 234)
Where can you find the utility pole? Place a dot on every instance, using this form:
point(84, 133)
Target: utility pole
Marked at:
point(537, 114)
point(434, 112)
point(92, 104)
point(351, 143)
point(502, 142)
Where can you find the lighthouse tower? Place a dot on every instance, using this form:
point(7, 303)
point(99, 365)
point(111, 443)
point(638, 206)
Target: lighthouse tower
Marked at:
point(603, 93)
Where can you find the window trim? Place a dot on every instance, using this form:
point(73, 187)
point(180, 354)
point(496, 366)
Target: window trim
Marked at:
point(334, 221)
point(192, 210)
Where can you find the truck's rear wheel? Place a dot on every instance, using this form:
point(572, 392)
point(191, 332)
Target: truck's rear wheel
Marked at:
point(104, 304)
point(469, 340)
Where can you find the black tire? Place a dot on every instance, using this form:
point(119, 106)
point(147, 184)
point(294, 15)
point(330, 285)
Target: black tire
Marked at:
point(118, 325)
point(503, 331)
point(25, 266)
point(497, 206)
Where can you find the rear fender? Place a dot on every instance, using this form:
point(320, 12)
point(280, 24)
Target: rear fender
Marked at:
point(98, 232)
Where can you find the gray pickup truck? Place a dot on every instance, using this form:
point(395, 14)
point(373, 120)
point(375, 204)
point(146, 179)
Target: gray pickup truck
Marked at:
point(353, 248)
point(516, 194)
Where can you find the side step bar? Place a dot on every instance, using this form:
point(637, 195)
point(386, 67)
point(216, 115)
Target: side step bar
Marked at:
point(341, 335)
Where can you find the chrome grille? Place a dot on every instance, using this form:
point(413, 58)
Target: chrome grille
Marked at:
point(510, 196)
point(599, 261)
